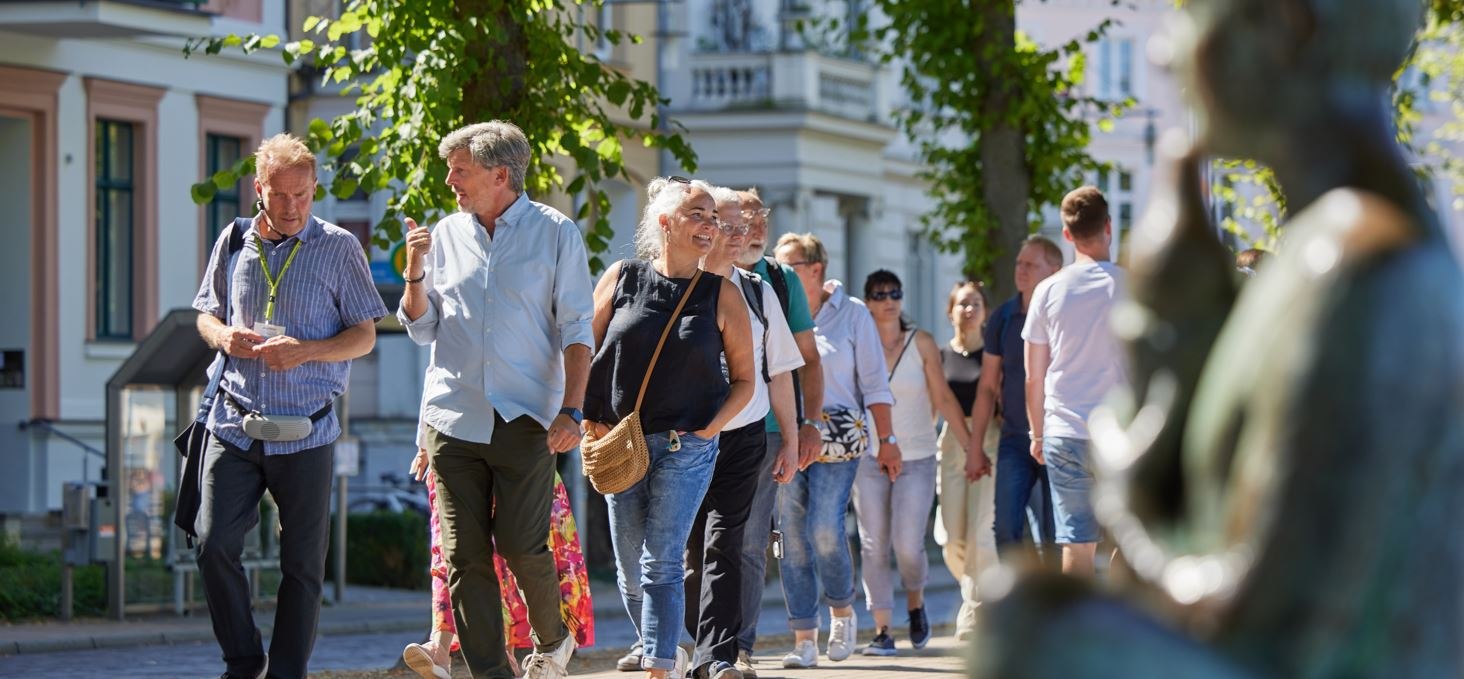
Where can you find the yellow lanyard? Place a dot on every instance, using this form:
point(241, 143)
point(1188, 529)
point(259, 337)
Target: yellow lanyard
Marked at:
point(271, 279)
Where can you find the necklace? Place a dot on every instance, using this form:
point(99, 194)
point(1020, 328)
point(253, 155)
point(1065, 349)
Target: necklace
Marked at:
point(963, 351)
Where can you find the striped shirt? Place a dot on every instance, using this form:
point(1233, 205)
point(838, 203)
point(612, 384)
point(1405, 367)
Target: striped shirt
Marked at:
point(500, 312)
point(327, 289)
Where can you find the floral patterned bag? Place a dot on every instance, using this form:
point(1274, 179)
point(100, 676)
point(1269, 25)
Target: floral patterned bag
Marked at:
point(845, 435)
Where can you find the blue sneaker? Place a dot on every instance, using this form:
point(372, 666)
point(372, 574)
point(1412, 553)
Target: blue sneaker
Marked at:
point(882, 644)
point(919, 628)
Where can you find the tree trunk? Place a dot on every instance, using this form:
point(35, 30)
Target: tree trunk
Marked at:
point(1006, 178)
point(496, 89)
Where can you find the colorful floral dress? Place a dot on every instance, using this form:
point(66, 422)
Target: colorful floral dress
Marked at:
point(574, 581)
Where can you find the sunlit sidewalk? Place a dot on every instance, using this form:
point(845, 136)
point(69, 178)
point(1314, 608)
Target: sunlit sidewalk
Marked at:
point(942, 657)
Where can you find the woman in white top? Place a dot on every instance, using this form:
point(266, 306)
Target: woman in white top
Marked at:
point(896, 513)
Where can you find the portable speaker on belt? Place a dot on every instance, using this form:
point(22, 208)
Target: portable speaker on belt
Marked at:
point(261, 427)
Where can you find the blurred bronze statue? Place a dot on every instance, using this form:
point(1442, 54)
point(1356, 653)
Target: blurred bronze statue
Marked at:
point(1286, 480)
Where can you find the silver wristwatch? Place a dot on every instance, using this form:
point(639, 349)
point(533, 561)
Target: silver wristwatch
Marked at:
point(889, 439)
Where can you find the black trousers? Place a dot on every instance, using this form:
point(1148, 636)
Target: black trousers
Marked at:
point(714, 549)
point(234, 481)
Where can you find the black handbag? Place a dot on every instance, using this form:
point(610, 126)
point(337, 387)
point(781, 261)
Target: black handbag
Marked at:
point(193, 440)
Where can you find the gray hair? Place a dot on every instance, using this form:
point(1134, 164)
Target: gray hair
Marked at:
point(724, 195)
point(663, 197)
point(496, 143)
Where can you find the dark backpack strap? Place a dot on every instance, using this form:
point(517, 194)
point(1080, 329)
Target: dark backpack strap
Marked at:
point(235, 233)
point(779, 280)
point(752, 292)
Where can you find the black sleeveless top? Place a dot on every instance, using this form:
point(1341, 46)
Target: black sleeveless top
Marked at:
point(687, 387)
point(962, 373)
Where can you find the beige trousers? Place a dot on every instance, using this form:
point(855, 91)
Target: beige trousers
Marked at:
point(965, 528)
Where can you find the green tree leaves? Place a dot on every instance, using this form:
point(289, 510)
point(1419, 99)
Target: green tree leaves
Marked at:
point(419, 69)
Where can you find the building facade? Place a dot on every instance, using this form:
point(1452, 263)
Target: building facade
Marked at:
point(110, 126)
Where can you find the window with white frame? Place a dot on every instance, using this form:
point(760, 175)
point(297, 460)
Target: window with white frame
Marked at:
point(1114, 66)
point(1117, 185)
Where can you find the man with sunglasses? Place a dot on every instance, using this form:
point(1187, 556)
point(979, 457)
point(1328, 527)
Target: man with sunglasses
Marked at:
point(808, 397)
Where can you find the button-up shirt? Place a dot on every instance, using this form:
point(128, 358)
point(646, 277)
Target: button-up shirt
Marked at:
point(501, 309)
point(327, 289)
point(854, 369)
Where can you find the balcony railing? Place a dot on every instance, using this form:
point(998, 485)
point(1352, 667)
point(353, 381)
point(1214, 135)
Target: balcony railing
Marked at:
point(721, 81)
point(105, 18)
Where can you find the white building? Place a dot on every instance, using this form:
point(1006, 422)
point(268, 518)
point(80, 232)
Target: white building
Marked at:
point(1119, 68)
point(813, 132)
point(104, 126)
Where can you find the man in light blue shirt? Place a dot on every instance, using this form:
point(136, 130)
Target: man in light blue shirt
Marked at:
point(501, 291)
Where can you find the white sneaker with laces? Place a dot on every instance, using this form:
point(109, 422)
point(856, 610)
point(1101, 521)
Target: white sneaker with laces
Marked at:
point(551, 665)
point(744, 663)
point(804, 654)
point(841, 636)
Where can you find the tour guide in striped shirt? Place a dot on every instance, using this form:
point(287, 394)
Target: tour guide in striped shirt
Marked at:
point(502, 292)
point(291, 311)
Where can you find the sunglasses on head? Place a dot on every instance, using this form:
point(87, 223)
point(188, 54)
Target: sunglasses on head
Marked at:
point(679, 179)
point(882, 295)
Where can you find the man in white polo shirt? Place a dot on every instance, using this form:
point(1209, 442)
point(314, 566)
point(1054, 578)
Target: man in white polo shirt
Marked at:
point(1073, 360)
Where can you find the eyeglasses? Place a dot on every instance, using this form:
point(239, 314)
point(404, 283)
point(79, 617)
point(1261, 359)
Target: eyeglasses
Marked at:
point(798, 264)
point(734, 230)
point(760, 212)
point(882, 295)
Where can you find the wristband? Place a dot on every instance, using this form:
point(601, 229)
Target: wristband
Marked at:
point(417, 279)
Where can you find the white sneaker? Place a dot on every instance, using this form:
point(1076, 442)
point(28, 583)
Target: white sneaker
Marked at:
point(744, 663)
point(551, 665)
point(683, 664)
point(804, 654)
point(419, 658)
point(841, 636)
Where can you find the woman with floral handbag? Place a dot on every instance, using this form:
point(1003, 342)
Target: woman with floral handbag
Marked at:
point(812, 508)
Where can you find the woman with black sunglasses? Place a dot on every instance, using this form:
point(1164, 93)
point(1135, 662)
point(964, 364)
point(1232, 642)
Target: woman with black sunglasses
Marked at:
point(895, 513)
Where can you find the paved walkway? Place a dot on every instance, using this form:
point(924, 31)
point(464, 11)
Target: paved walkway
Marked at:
point(942, 657)
point(363, 637)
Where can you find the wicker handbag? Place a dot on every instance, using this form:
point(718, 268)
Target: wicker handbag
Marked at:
point(618, 460)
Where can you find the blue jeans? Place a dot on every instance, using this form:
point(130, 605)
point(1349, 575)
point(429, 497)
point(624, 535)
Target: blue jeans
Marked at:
point(755, 544)
point(649, 525)
point(1017, 475)
point(811, 510)
point(1071, 474)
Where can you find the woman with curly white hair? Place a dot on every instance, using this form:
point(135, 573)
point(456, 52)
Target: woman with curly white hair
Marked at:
point(685, 405)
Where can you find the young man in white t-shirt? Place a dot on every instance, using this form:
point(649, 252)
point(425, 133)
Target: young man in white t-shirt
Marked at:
point(1073, 360)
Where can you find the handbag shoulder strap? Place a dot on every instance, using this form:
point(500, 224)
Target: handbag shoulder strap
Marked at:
point(646, 381)
point(903, 349)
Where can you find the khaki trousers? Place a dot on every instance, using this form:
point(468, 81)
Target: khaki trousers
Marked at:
point(966, 527)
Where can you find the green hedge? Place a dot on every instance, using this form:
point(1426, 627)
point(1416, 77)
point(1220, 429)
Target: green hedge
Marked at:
point(385, 549)
point(30, 585)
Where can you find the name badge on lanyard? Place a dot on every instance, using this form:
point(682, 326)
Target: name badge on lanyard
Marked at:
point(267, 327)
